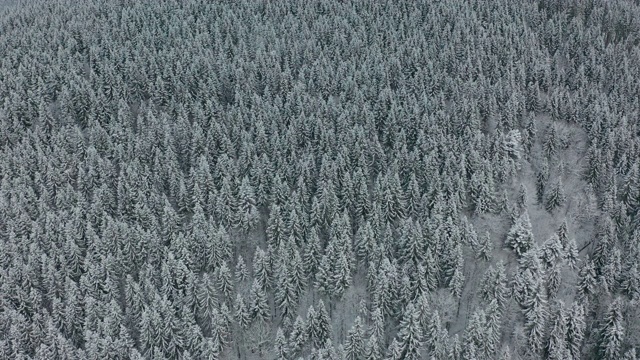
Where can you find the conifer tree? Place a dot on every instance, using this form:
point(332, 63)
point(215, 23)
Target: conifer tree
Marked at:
point(312, 255)
point(556, 196)
point(241, 270)
point(280, 345)
point(241, 315)
point(410, 334)
point(275, 227)
point(355, 343)
point(536, 314)
point(318, 325)
point(557, 346)
point(571, 254)
point(372, 350)
point(297, 336)
point(612, 332)
point(248, 215)
point(377, 329)
point(225, 282)
point(261, 272)
point(484, 247)
point(394, 352)
point(259, 308)
point(520, 237)
point(586, 279)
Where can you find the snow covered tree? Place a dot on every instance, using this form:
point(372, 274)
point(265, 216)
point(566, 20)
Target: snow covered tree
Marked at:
point(520, 237)
point(372, 349)
point(394, 351)
point(241, 270)
point(297, 336)
point(261, 268)
point(355, 343)
point(556, 196)
point(318, 325)
point(571, 254)
point(485, 247)
point(341, 278)
point(536, 315)
point(586, 278)
point(259, 308)
point(227, 202)
point(557, 346)
point(575, 329)
point(241, 314)
point(225, 282)
point(280, 345)
point(410, 334)
point(612, 332)
point(275, 227)
point(312, 254)
point(248, 215)
point(285, 292)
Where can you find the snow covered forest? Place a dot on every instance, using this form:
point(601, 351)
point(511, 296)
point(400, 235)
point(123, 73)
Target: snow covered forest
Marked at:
point(323, 179)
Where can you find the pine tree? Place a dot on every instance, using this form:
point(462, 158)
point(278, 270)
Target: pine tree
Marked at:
point(354, 344)
point(586, 278)
point(436, 336)
point(553, 281)
point(475, 334)
point(493, 323)
point(248, 215)
point(394, 352)
point(552, 251)
point(522, 199)
point(556, 196)
point(259, 308)
point(551, 142)
point(312, 255)
point(210, 349)
point(485, 247)
point(280, 345)
point(455, 351)
point(377, 329)
point(557, 346)
point(571, 254)
point(493, 285)
point(275, 227)
point(297, 336)
point(410, 334)
point(341, 278)
point(535, 313)
point(318, 325)
point(456, 282)
point(372, 350)
point(520, 237)
point(206, 300)
point(285, 293)
point(261, 268)
point(241, 315)
point(541, 180)
point(225, 283)
point(227, 202)
point(364, 242)
point(612, 332)
point(241, 270)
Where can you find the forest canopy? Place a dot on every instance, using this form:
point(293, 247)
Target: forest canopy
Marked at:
point(321, 179)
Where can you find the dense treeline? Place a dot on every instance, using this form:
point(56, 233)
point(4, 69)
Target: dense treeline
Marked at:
point(320, 180)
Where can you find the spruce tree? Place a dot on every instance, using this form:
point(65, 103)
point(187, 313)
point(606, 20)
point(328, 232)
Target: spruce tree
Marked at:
point(355, 343)
point(612, 332)
point(520, 237)
point(410, 334)
point(556, 196)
